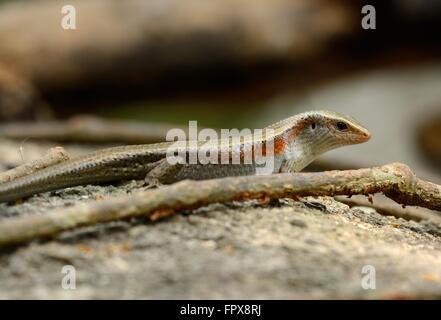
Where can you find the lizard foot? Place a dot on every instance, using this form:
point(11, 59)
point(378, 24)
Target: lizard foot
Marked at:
point(152, 183)
point(315, 205)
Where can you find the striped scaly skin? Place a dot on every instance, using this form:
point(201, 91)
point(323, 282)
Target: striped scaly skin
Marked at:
point(298, 140)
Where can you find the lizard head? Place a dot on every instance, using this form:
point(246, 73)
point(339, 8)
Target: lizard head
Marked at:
point(322, 128)
point(334, 128)
point(310, 134)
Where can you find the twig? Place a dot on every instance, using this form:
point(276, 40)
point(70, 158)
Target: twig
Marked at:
point(53, 156)
point(388, 207)
point(395, 180)
point(88, 129)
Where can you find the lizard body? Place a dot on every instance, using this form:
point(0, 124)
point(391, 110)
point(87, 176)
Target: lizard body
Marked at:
point(297, 141)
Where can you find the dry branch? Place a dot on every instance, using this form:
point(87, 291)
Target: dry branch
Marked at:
point(53, 156)
point(395, 180)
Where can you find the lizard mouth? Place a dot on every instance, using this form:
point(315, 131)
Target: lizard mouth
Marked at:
point(366, 135)
point(363, 136)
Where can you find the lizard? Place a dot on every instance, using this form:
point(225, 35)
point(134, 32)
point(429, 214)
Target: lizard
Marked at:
point(297, 141)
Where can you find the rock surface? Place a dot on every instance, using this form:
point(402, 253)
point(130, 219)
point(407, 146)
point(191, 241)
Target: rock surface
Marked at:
point(314, 248)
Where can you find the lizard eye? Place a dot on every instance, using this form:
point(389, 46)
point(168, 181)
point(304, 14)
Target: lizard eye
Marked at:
point(313, 125)
point(341, 126)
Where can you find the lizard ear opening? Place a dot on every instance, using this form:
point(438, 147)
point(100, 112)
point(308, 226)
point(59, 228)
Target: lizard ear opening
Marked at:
point(313, 125)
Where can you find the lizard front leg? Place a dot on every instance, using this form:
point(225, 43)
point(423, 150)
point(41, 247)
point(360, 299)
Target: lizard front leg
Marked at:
point(162, 173)
point(289, 166)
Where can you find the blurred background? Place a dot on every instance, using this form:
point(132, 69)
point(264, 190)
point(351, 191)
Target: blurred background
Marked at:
point(225, 63)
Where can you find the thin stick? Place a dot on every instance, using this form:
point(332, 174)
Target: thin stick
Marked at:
point(388, 207)
point(395, 180)
point(53, 156)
